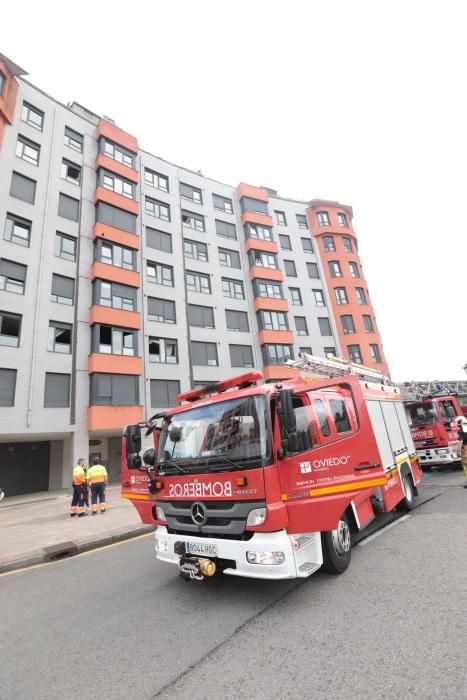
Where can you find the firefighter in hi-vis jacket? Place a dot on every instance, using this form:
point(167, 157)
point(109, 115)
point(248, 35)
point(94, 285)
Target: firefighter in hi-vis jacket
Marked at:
point(79, 488)
point(97, 478)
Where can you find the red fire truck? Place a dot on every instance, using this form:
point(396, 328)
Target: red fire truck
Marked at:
point(434, 429)
point(271, 480)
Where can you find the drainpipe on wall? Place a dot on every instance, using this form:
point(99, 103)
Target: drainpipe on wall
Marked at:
point(187, 320)
point(142, 350)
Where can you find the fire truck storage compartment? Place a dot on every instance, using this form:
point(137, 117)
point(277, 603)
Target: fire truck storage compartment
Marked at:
point(392, 436)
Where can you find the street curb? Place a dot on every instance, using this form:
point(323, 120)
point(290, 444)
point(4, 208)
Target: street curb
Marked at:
point(66, 550)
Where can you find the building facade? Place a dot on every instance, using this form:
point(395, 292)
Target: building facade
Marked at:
point(125, 279)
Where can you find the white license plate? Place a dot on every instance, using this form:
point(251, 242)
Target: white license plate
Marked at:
point(204, 549)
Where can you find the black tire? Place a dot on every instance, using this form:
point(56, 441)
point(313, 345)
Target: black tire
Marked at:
point(337, 547)
point(407, 502)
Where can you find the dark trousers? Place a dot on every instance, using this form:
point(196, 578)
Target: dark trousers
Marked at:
point(77, 501)
point(98, 493)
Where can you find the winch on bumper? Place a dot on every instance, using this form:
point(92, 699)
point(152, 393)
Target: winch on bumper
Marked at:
point(267, 555)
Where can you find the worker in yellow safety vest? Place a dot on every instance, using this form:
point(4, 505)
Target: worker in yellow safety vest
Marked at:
point(79, 487)
point(97, 478)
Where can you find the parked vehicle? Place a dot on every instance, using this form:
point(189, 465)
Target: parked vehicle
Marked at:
point(434, 429)
point(272, 480)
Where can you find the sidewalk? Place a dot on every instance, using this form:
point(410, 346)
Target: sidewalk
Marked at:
point(37, 528)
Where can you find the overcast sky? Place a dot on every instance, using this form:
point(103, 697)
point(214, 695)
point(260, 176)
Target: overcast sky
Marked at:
point(361, 102)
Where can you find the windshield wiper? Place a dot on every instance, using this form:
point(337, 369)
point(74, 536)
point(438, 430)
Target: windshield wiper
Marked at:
point(170, 463)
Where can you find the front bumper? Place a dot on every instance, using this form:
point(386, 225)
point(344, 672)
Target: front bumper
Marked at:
point(438, 455)
point(303, 554)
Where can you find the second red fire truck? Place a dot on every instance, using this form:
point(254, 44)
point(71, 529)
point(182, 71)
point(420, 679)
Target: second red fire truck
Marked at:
point(434, 429)
point(272, 480)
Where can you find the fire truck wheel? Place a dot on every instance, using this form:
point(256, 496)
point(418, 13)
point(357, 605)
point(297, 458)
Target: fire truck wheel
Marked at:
point(337, 547)
point(408, 501)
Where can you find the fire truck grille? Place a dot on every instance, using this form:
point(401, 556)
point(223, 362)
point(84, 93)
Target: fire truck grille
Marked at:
point(223, 518)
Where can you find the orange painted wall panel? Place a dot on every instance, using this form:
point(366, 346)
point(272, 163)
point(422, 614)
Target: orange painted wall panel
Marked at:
point(114, 364)
point(265, 246)
point(116, 235)
point(280, 337)
point(267, 304)
point(114, 317)
point(116, 200)
point(261, 219)
point(266, 273)
point(113, 417)
point(114, 133)
point(115, 274)
point(7, 99)
point(104, 161)
point(244, 190)
point(278, 372)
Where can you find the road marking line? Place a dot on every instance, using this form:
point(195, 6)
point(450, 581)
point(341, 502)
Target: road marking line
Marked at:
point(383, 530)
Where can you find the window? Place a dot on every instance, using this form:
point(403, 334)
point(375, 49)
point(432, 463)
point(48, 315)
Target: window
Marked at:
point(12, 276)
point(160, 182)
point(323, 218)
point(63, 290)
point(307, 349)
point(375, 353)
point(65, 247)
point(273, 320)
point(304, 426)
point(348, 325)
point(330, 350)
point(161, 310)
point(113, 216)
point(241, 355)
point(194, 221)
point(23, 187)
point(117, 296)
point(197, 282)
point(159, 240)
point(237, 321)
point(296, 296)
point(116, 184)
point(68, 207)
point(56, 390)
point(271, 290)
point(114, 254)
point(118, 153)
point(368, 324)
point(160, 274)
point(17, 230)
point(329, 245)
point(223, 228)
point(114, 390)
point(222, 203)
point(202, 316)
point(163, 350)
point(157, 209)
point(276, 354)
point(195, 250)
point(335, 268)
point(262, 233)
point(324, 326)
point(347, 244)
point(28, 150)
point(319, 297)
point(253, 205)
point(7, 387)
point(290, 269)
point(71, 172)
point(341, 295)
point(164, 393)
point(73, 139)
point(2, 82)
point(360, 293)
point(259, 259)
point(301, 221)
point(232, 288)
point(354, 353)
point(284, 241)
point(280, 218)
point(342, 219)
point(300, 325)
point(204, 353)
point(59, 339)
point(10, 329)
point(354, 269)
point(307, 245)
point(114, 341)
point(229, 258)
point(191, 193)
point(340, 416)
point(320, 411)
point(312, 269)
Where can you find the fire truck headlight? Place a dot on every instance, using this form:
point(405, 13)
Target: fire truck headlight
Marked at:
point(257, 516)
point(160, 515)
point(266, 558)
point(162, 545)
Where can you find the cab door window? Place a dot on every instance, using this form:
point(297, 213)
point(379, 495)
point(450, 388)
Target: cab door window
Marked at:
point(447, 411)
point(322, 417)
point(340, 416)
point(304, 421)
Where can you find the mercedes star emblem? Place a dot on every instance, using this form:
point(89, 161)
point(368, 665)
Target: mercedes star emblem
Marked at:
point(198, 513)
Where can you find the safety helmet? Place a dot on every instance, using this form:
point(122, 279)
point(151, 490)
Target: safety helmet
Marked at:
point(461, 420)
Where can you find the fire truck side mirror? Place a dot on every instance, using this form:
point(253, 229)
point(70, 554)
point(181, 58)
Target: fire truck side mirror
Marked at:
point(133, 446)
point(288, 421)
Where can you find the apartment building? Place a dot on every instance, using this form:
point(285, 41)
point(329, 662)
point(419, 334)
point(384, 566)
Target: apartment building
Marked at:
point(125, 279)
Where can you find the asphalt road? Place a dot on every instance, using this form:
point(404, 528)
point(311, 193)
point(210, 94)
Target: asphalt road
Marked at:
point(113, 623)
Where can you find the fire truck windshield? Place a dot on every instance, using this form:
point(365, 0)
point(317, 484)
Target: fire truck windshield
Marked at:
point(228, 434)
point(423, 413)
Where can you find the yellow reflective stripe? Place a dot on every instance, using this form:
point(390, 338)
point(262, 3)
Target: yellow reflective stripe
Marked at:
point(135, 496)
point(348, 487)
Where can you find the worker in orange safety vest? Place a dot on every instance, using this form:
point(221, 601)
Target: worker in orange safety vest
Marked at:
point(97, 477)
point(79, 487)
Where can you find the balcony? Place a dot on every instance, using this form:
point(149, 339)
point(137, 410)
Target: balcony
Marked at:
point(268, 304)
point(112, 273)
point(102, 194)
point(251, 217)
point(114, 133)
point(264, 246)
point(116, 235)
point(114, 317)
point(278, 372)
point(276, 337)
point(104, 161)
point(266, 273)
point(113, 417)
point(114, 364)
